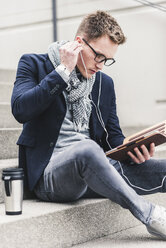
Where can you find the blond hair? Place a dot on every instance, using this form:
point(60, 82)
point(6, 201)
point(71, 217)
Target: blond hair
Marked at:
point(101, 23)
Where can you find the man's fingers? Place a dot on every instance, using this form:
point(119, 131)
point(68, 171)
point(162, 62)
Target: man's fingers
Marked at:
point(75, 45)
point(70, 46)
point(152, 149)
point(139, 155)
point(133, 157)
point(69, 54)
point(148, 153)
point(145, 152)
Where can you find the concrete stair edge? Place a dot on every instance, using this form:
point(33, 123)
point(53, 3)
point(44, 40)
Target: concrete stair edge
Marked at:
point(5, 163)
point(135, 237)
point(10, 136)
point(57, 225)
point(13, 162)
point(44, 224)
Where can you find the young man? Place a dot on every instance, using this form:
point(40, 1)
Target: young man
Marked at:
point(68, 109)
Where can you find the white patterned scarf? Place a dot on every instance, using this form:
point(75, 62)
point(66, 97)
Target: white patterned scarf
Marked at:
point(78, 92)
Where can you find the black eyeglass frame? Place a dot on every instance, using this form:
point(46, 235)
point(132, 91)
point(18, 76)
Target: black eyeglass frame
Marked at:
point(99, 54)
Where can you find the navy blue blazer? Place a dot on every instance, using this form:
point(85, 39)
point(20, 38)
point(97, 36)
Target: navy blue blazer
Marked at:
point(37, 102)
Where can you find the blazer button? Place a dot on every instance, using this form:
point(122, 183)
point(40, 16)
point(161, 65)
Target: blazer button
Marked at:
point(51, 144)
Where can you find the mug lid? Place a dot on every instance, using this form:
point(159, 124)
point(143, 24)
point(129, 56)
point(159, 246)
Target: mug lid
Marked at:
point(13, 173)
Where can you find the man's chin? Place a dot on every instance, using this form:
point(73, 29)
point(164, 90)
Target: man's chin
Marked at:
point(87, 76)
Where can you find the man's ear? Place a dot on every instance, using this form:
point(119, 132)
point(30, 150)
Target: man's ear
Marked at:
point(79, 39)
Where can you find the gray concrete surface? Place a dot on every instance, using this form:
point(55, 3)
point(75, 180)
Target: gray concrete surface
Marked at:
point(160, 151)
point(53, 225)
point(7, 75)
point(136, 237)
point(7, 120)
point(6, 91)
point(62, 225)
point(8, 139)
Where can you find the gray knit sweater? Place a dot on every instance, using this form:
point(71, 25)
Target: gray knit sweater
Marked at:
point(67, 135)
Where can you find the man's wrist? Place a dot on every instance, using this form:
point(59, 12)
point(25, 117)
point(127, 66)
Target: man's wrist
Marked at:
point(64, 69)
point(63, 72)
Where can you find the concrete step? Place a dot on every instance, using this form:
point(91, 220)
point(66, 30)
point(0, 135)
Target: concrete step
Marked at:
point(130, 130)
point(8, 139)
point(6, 91)
point(7, 120)
point(7, 75)
point(136, 237)
point(160, 151)
point(5, 163)
point(9, 136)
point(57, 225)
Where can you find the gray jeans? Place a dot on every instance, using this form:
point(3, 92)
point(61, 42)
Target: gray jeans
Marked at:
point(83, 170)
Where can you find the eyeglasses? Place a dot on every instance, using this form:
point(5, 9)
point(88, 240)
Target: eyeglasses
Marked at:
point(99, 58)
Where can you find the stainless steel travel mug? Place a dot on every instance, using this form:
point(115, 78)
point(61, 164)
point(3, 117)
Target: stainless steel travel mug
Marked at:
point(13, 190)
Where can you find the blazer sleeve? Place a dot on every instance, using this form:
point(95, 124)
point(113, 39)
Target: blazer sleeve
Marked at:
point(115, 135)
point(30, 96)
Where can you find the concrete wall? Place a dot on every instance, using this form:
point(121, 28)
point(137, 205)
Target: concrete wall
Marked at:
point(139, 74)
point(25, 27)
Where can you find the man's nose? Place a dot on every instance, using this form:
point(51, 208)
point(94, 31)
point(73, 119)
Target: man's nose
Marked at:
point(100, 65)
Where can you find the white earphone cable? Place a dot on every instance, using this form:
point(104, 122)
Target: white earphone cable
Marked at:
point(98, 112)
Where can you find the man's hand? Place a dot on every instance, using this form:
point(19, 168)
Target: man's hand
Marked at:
point(69, 54)
point(142, 156)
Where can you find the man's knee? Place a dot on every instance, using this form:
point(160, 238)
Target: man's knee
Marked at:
point(88, 150)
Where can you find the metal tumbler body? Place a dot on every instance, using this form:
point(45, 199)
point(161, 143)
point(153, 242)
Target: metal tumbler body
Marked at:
point(13, 190)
